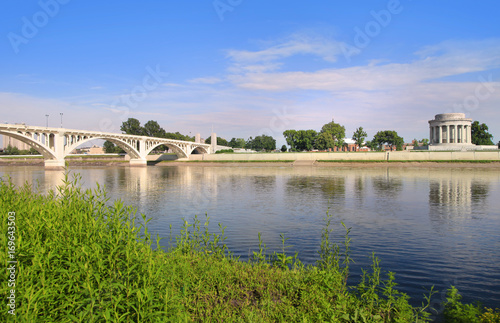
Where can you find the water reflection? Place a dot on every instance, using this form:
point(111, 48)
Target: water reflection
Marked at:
point(458, 195)
point(387, 186)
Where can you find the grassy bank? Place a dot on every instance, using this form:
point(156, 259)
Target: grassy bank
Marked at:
point(408, 161)
point(229, 161)
point(81, 258)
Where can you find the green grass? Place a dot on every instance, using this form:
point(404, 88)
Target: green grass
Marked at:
point(228, 161)
point(81, 258)
point(93, 156)
point(408, 161)
point(100, 161)
point(21, 157)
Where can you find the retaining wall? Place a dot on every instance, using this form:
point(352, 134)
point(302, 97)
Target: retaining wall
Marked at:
point(368, 156)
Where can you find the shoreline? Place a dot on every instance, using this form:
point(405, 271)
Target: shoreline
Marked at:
point(270, 163)
point(433, 164)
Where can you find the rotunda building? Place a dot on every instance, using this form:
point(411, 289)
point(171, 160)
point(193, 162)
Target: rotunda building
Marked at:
point(450, 131)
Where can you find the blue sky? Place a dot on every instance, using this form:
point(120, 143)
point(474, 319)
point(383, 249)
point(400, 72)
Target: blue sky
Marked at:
point(250, 67)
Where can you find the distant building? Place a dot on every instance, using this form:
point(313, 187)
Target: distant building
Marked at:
point(9, 141)
point(452, 131)
point(94, 150)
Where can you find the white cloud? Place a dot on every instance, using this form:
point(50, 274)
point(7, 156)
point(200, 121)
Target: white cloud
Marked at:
point(447, 61)
point(206, 80)
point(297, 44)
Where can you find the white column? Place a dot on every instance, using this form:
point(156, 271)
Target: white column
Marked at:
point(447, 134)
point(440, 134)
point(430, 134)
point(469, 134)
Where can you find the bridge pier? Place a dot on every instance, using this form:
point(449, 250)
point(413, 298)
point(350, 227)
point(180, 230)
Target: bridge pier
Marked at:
point(54, 164)
point(138, 162)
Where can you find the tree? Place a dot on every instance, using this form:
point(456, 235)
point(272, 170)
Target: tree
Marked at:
point(177, 136)
point(359, 136)
point(153, 129)
point(132, 127)
point(220, 141)
point(480, 135)
point(336, 131)
point(111, 148)
point(262, 142)
point(306, 139)
point(372, 145)
point(324, 141)
point(291, 138)
point(425, 142)
point(389, 137)
point(11, 150)
point(237, 143)
point(283, 148)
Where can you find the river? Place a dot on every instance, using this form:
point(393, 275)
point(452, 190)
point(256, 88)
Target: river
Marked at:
point(431, 226)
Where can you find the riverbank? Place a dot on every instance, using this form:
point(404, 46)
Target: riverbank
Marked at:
point(277, 160)
point(426, 164)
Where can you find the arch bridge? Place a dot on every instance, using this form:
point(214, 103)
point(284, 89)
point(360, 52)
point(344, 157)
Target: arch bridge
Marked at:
point(57, 143)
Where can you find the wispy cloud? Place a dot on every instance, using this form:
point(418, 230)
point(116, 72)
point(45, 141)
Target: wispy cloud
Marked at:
point(432, 63)
point(297, 44)
point(206, 80)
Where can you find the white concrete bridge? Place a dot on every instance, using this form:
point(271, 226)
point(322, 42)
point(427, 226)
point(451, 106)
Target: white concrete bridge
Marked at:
point(57, 143)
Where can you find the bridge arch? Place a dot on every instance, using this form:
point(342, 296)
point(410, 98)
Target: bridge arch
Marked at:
point(43, 149)
point(199, 150)
point(132, 151)
point(176, 149)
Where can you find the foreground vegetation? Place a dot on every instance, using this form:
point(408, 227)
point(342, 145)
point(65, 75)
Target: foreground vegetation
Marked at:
point(80, 258)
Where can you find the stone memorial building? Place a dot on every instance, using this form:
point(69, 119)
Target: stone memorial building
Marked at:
point(450, 131)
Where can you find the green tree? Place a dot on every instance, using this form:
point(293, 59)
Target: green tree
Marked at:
point(283, 148)
point(262, 142)
point(359, 136)
point(372, 145)
point(111, 148)
point(178, 136)
point(153, 129)
point(425, 142)
point(220, 141)
point(237, 143)
point(324, 141)
point(132, 127)
point(307, 138)
point(300, 140)
point(480, 135)
point(11, 150)
point(336, 131)
point(390, 138)
point(291, 138)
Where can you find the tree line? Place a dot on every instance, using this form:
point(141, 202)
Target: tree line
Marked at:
point(332, 135)
point(152, 129)
point(259, 143)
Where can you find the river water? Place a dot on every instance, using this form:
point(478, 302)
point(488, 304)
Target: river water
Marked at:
point(431, 226)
